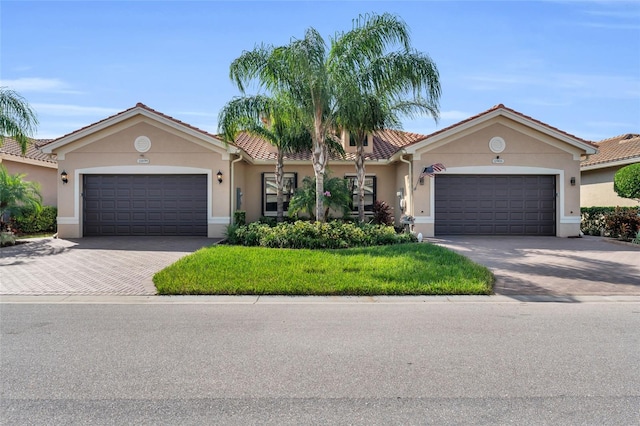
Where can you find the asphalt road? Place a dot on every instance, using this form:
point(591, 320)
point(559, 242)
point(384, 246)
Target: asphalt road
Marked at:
point(400, 363)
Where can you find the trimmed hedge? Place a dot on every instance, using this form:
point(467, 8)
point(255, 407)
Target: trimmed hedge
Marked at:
point(315, 235)
point(616, 222)
point(32, 222)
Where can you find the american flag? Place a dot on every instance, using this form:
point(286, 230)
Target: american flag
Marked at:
point(432, 170)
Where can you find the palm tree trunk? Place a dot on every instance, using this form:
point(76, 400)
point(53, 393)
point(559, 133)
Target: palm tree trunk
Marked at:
point(279, 187)
point(319, 159)
point(360, 173)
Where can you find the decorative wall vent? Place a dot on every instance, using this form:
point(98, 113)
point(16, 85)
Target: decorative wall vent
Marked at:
point(497, 144)
point(142, 144)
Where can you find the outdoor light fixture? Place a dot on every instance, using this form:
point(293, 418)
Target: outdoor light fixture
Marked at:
point(219, 175)
point(64, 176)
point(573, 181)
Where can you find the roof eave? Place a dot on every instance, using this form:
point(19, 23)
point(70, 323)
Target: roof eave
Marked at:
point(504, 112)
point(615, 163)
point(125, 115)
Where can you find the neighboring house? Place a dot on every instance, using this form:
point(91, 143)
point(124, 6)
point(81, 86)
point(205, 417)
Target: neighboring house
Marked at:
point(37, 167)
point(141, 172)
point(598, 170)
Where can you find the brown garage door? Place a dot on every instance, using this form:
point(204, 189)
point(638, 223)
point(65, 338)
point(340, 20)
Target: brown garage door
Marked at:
point(145, 205)
point(495, 205)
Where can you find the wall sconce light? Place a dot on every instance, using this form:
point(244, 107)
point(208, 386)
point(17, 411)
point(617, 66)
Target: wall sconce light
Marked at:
point(64, 177)
point(219, 175)
point(573, 181)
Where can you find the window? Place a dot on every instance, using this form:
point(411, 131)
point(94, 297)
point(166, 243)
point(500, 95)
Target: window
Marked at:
point(269, 192)
point(352, 141)
point(369, 192)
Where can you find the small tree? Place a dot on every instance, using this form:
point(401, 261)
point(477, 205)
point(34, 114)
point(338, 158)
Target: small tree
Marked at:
point(17, 194)
point(626, 182)
point(336, 195)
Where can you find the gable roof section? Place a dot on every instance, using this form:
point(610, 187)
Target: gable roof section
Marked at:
point(501, 110)
point(616, 151)
point(139, 109)
point(10, 150)
point(386, 143)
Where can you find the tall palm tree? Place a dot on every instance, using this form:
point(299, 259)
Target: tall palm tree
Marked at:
point(299, 70)
point(315, 78)
point(272, 119)
point(17, 194)
point(17, 119)
point(375, 85)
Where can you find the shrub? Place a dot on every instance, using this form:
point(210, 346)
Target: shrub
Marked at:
point(594, 219)
point(32, 221)
point(626, 182)
point(7, 239)
point(240, 217)
point(382, 213)
point(316, 235)
point(623, 224)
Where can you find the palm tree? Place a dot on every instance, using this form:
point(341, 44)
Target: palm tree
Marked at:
point(271, 119)
point(335, 194)
point(376, 85)
point(319, 81)
point(17, 194)
point(299, 70)
point(17, 119)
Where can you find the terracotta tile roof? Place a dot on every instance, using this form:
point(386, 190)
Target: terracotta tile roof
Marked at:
point(513, 111)
point(11, 148)
point(618, 148)
point(385, 144)
point(138, 105)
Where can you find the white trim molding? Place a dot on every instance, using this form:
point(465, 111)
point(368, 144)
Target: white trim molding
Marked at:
point(67, 220)
point(219, 220)
point(423, 219)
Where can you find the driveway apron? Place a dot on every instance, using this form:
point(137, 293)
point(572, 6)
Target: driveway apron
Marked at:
point(554, 266)
point(91, 266)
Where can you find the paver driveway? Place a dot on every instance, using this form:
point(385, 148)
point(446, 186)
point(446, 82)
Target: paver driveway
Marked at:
point(554, 266)
point(91, 266)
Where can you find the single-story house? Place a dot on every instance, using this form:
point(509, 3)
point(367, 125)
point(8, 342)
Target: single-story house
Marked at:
point(596, 189)
point(141, 172)
point(37, 166)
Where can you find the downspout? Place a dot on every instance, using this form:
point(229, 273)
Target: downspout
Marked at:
point(409, 208)
point(232, 191)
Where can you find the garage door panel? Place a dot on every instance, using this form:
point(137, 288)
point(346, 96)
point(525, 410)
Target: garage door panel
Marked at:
point(145, 205)
point(498, 205)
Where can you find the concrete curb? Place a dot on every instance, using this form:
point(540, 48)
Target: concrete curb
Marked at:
point(309, 300)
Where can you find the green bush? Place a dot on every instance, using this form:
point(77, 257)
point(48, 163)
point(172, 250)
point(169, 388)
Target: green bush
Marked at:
point(7, 239)
point(626, 182)
point(240, 217)
point(617, 222)
point(32, 221)
point(315, 235)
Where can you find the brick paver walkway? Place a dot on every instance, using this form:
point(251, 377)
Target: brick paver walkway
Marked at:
point(91, 266)
point(553, 266)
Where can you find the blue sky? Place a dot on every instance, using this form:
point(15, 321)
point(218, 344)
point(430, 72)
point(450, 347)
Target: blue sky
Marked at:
point(574, 65)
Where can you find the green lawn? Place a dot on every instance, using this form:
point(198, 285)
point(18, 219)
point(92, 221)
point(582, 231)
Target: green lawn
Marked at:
point(402, 269)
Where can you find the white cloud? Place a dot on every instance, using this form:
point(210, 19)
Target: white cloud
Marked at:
point(36, 84)
point(73, 110)
point(576, 85)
